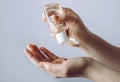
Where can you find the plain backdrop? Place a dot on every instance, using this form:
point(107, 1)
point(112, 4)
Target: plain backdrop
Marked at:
point(21, 23)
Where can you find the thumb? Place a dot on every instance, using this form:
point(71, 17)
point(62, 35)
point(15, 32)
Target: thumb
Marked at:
point(44, 65)
point(49, 67)
point(58, 19)
point(55, 70)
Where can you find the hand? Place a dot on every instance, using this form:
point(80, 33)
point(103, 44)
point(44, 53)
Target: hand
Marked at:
point(58, 67)
point(74, 67)
point(76, 28)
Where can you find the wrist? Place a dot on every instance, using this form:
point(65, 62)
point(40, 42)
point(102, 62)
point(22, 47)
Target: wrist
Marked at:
point(85, 39)
point(88, 70)
point(82, 33)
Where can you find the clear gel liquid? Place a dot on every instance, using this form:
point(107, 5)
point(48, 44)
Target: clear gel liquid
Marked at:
point(56, 10)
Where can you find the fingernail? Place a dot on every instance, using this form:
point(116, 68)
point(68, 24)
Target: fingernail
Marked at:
point(28, 46)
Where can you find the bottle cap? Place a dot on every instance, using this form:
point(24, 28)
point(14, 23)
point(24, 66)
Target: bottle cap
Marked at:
point(61, 37)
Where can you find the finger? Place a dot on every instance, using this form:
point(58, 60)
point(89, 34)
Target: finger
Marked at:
point(58, 19)
point(36, 52)
point(69, 12)
point(33, 58)
point(70, 16)
point(48, 53)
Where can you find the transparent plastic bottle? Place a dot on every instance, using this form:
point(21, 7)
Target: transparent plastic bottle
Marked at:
point(59, 30)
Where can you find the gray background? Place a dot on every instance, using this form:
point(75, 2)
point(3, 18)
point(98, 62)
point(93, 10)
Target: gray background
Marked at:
point(21, 23)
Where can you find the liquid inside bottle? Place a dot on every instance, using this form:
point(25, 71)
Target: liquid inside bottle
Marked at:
point(59, 30)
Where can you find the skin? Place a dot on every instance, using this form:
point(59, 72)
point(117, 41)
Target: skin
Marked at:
point(102, 65)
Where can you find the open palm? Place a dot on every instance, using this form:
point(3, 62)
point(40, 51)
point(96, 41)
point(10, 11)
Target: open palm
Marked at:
point(58, 67)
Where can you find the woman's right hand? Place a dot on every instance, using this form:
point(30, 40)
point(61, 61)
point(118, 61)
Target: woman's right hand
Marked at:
point(76, 29)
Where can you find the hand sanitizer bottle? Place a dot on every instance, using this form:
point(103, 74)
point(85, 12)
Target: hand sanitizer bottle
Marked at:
point(59, 30)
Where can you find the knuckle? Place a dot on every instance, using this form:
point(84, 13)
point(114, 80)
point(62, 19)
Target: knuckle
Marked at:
point(67, 10)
